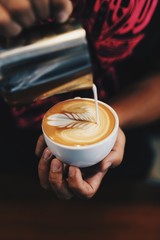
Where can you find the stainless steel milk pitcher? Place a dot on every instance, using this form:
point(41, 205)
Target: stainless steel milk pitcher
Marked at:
point(44, 60)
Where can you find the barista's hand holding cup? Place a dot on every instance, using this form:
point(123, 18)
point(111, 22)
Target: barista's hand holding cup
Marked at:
point(74, 136)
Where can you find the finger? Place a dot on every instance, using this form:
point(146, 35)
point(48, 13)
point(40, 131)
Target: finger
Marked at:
point(115, 157)
point(86, 188)
point(118, 149)
point(7, 26)
point(57, 181)
point(83, 188)
point(61, 9)
point(44, 167)
point(40, 146)
point(20, 11)
point(41, 8)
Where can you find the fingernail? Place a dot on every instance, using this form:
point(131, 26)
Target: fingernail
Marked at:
point(56, 166)
point(108, 165)
point(72, 172)
point(45, 186)
point(47, 155)
point(15, 29)
point(62, 17)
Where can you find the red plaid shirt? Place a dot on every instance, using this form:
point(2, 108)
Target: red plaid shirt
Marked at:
point(114, 29)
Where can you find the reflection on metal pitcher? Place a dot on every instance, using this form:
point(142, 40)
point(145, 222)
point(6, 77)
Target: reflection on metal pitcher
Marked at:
point(44, 61)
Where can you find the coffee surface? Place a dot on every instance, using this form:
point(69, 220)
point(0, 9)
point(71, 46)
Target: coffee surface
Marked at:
point(73, 122)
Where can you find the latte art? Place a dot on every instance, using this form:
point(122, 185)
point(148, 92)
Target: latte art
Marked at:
point(81, 120)
point(73, 122)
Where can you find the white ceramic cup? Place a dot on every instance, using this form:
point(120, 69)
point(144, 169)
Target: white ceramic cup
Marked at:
point(85, 156)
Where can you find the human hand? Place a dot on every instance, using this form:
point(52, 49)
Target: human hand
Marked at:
point(67, 181)
point(18, 14)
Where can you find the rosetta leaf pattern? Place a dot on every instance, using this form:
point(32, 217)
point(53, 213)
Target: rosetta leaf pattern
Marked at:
point(84, 120)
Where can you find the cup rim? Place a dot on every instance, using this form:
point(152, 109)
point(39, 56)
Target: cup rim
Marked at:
point(115, 129)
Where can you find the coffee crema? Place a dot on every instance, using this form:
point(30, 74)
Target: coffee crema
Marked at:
point(73, 122)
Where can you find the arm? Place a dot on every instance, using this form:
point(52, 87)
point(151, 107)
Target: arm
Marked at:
point(139, 105)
